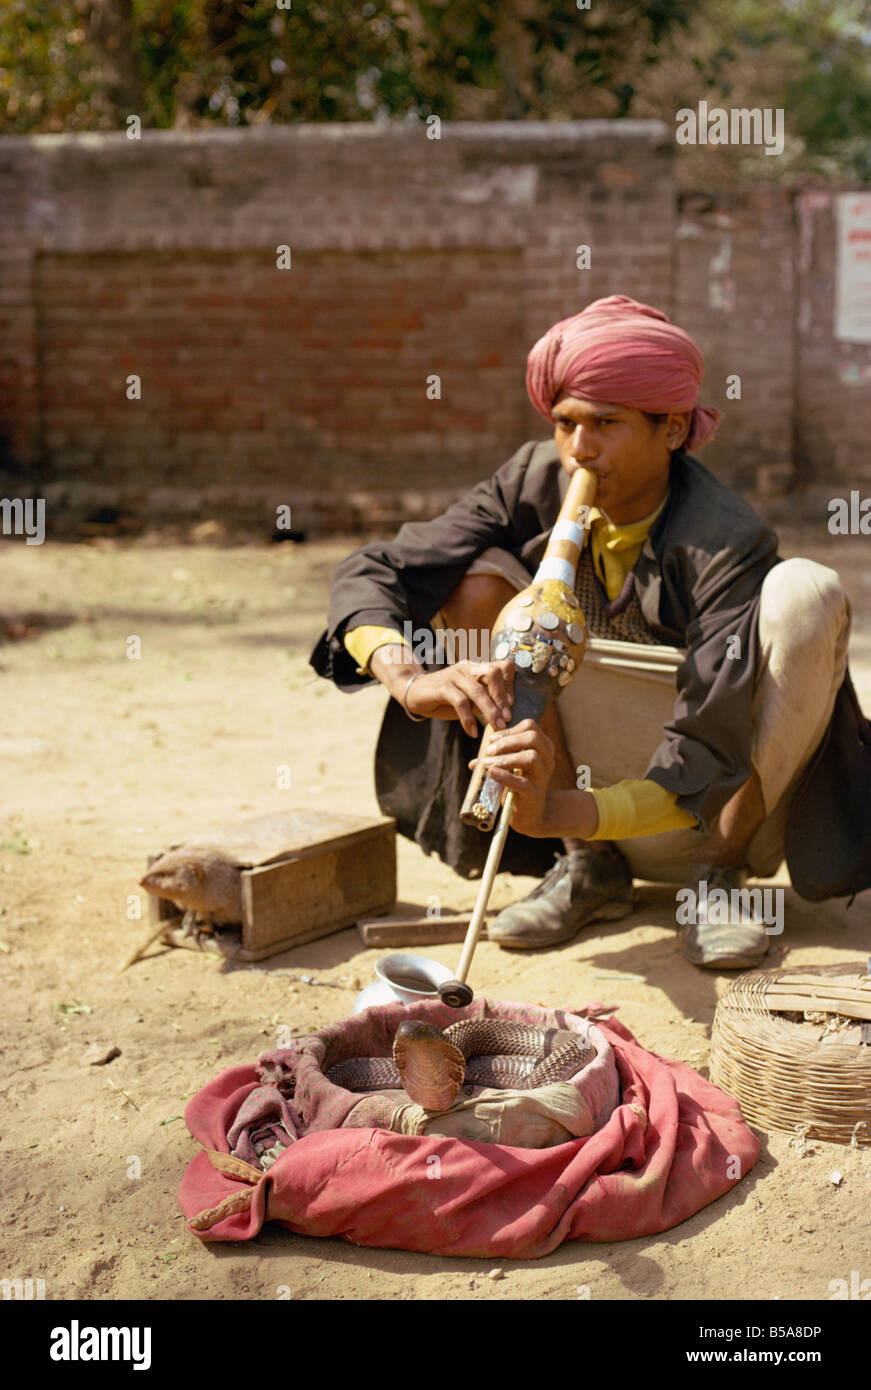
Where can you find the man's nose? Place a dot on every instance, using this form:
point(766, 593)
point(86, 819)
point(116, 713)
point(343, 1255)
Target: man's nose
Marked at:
point(582, 446)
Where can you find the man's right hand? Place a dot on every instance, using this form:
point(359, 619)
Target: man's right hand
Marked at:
point(467, 691)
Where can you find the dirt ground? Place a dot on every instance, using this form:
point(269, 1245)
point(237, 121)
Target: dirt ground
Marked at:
point(105, 759)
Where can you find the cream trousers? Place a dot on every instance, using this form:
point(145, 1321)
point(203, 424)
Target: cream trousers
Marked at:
point(804, 628)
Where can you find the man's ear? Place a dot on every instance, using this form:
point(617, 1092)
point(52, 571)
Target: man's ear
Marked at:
point(677, 428)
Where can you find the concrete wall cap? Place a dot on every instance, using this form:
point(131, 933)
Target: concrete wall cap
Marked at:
point(485, 132)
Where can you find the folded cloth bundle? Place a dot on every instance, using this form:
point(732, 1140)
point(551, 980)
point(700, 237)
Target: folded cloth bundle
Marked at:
point(671, 1144)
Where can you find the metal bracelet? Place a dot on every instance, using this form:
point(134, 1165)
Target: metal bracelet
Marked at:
point(418, 718)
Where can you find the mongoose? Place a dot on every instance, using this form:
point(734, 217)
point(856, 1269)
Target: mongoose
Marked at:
point(202, 883)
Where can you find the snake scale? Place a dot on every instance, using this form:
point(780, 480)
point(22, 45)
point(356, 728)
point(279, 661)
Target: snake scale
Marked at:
point(431, 1066)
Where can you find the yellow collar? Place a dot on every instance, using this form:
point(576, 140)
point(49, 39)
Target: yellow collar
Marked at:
point(617, 537)
point(615, 549)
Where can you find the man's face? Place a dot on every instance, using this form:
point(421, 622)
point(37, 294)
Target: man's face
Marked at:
point(630, 454)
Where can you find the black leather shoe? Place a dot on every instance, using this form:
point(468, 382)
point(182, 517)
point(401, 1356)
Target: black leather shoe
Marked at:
point(582, 886)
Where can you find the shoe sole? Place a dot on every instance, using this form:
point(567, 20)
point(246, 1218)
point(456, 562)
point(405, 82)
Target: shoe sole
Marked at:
point(726, 961)
point(608, 912)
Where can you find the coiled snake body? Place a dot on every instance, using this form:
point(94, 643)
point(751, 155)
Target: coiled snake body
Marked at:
point(431, 1066)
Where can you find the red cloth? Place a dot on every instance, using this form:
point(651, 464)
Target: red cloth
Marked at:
point(625, 353)
point(673, 1145)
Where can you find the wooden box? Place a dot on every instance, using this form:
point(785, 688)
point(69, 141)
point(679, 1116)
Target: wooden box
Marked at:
point(621, 698)
point(305, 874)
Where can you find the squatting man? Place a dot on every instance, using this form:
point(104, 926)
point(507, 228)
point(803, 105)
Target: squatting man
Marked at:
point(675, 558)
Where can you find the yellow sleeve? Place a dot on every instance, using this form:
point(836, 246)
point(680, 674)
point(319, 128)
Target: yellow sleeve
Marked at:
point(361, 642)
point(638, 808)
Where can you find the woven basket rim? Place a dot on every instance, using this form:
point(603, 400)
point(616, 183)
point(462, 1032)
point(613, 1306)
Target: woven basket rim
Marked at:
point(782, 1078)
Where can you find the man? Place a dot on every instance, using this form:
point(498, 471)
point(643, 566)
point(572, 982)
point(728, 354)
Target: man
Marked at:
point(676, 558)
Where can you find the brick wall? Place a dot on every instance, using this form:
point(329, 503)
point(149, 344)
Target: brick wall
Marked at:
point(411, 258)
point(257, 375)
point(833, 399)
point(735, 292)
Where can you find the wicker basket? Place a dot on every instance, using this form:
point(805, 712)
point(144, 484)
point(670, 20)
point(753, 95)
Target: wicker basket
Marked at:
point(783, 1076)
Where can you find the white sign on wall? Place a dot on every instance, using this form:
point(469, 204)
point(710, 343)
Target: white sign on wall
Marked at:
point(853, 284)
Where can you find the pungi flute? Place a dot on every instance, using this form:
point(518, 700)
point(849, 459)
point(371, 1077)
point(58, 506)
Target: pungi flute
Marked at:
point(542, 630)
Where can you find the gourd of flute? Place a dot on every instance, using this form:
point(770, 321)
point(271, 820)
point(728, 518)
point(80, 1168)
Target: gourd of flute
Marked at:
point(542, 629)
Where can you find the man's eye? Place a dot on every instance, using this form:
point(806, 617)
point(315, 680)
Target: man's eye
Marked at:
point(570, 424)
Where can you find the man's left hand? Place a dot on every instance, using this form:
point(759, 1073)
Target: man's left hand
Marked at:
point(522, 759)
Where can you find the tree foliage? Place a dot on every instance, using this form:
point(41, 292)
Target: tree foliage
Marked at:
point(68, 65)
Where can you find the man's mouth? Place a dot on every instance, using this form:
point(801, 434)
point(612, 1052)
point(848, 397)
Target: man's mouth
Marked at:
point(591, 468)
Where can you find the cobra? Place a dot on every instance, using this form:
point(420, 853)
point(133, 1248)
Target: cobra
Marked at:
point(432, 1066)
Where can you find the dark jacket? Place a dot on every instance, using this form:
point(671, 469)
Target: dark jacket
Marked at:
point(698, 580)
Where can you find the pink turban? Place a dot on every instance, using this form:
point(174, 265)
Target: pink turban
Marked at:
point(626, 353)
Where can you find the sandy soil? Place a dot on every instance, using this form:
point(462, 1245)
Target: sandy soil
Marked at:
point(105, 759)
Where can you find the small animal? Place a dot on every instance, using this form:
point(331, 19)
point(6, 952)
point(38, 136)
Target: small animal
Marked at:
point(203, 882)
point(431, 1066)
point(203, 876)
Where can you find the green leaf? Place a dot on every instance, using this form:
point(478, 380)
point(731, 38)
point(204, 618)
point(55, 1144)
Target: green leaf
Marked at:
point(16, 845)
